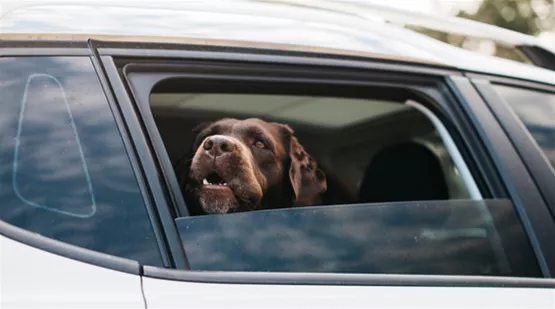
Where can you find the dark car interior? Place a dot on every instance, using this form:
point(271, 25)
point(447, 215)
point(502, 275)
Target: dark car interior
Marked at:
point(370, 150)
point(392, 183)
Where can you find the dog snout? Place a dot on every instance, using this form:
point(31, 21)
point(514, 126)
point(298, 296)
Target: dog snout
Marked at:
point(216, 146)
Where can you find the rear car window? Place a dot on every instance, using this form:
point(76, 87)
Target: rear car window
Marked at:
point(64, 171)
point(441, 238)
point(398, 195)
point(537, 111)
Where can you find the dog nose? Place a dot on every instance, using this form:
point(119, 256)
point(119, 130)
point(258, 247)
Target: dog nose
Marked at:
point(217, 146)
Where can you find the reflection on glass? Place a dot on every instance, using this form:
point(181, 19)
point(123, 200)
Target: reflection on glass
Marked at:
point(537, 112)
point(64, 171)
point(442, 237)
point(31, 173)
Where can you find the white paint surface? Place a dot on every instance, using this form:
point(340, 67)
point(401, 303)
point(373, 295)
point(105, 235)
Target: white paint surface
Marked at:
point(174, 294)
point(33, 278)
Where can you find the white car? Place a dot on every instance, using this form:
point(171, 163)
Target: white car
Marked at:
point(439, 161)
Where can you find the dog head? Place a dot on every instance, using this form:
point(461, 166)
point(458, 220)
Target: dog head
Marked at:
point(242, 165)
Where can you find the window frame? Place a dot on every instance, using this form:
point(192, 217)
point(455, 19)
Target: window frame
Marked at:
point(541, 170)
point(525, 194)
point(151, 74)
point(145, 167)
point(447, 102)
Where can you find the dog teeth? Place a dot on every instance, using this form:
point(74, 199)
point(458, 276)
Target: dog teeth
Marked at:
point(205, 182)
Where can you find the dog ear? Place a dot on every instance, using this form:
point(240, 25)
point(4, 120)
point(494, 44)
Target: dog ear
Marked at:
point(307, 179)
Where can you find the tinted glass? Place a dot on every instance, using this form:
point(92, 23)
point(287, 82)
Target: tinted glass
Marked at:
point(443, 237)
point(64, 171)
point(537, 112)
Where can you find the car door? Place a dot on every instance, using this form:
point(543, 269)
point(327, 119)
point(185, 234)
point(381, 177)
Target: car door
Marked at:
point(74, 226)
point(41, 273)
point(482, 241)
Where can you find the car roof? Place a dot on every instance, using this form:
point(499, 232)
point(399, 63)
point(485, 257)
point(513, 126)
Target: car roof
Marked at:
point(343, 27)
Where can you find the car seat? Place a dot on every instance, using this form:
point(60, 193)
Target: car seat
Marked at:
point(406, 171)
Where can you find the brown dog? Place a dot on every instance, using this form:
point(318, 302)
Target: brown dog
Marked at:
point(243, 165)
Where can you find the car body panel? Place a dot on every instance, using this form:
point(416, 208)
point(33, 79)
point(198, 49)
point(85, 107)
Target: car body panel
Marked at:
point(258, 22)
point(34, 278)
point(161, 293)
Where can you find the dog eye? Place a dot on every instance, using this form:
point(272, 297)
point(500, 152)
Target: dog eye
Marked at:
point(260, 144)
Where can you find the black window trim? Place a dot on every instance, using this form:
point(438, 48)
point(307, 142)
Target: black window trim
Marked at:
point(130, 51)
point(157, 73)
point(145, 169)
point(133, 159)
point(531, 154)
point(512, 81)
point(539, 56)
point(528, 200)
point(258, 55)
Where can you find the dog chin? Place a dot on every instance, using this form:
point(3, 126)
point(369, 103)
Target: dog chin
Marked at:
point(217, 201)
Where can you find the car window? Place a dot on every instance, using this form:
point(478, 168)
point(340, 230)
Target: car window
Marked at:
point(537, 112)
point(64, 171)
point(393, 196)
point(343, 134)
point(440, 238)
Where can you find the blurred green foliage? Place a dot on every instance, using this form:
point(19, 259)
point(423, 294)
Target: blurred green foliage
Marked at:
point(525, 16)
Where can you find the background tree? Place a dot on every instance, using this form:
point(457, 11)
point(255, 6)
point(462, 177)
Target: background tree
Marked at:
point(525, 16)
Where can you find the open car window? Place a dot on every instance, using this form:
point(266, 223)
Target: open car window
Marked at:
point(342, 134)
point(398, 196)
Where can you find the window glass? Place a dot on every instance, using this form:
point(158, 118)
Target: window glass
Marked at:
point(440, 238)
point(352, 186)
point(537, 112)
point(64, 170)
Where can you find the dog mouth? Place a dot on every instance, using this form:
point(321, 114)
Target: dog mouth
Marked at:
point(222, 189)
point(214, 179)
point(216, 195)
